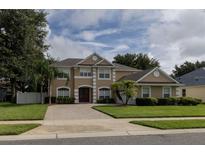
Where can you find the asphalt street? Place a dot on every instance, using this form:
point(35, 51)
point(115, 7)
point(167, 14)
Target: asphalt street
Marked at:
point(171, 139)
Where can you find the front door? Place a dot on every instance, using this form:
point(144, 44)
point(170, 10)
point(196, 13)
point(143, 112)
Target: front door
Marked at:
point(84, 95)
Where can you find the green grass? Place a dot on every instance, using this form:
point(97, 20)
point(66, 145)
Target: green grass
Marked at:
point(16, 129)
point(172, 124)
point(9, 111)
point(152, 111)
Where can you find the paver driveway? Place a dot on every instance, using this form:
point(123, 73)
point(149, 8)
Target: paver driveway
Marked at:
point(73, 112)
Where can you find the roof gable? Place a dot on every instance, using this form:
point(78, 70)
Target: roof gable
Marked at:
point(95, 59)
point(147, 76)
point(156, 75)
point(104, 62)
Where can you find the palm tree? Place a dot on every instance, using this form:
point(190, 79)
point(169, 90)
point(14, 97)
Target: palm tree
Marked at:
point(45, 74)
point(125, 89)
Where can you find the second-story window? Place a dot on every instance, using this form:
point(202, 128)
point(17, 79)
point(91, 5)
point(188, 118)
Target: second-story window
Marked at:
point(86, 72)
point(63, 73)
point(104, 73)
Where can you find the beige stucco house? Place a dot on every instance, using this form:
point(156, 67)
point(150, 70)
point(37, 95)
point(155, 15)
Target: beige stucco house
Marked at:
point(91, 78)
point(193, 84)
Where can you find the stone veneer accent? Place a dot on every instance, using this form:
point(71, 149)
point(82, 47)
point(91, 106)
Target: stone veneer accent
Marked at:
point(94, 85)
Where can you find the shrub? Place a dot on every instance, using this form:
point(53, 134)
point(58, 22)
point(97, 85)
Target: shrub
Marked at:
point(168, 101)
point(189, 101)
point(146, 101)
point(65, 100)
point(106, 101)
point(53, 99)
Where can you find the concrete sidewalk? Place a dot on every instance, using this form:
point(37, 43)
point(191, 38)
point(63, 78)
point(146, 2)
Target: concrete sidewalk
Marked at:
point(98, 134)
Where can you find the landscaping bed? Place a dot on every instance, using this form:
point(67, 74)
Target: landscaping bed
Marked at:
point(172, 124)
point(128, 111)
point(16, 129)
point(10, 111)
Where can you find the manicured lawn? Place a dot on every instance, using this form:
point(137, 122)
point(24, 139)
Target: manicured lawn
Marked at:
point(9, 111)
point(172, 124)
point(15, 129)
point(152, 111)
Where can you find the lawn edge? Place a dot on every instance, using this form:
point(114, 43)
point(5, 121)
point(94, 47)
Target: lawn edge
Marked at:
point(131, 117)
point(93, 107)
point(36, 125)
point(135, 123)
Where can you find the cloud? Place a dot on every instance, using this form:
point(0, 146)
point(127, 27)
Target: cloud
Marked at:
point(62, 47)
point(178, 36)
point(91, 35)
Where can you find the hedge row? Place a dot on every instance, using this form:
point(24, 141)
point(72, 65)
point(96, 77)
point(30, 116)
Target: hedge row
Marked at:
point(167, 101)
point(61, 100)
point(106, 101)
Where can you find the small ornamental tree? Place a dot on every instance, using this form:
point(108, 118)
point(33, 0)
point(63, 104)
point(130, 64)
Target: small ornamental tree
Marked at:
point(125, 89)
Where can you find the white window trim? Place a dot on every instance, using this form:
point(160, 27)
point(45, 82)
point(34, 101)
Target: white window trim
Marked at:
point(104, 78)
point(63, 87)
point(102, 88)
point(83, 77)
point(83, 69)
point(170, 88)
point(150, 91)
point(64, 78)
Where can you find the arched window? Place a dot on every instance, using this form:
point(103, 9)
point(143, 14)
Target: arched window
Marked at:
point(63, 92)
point(104, 93)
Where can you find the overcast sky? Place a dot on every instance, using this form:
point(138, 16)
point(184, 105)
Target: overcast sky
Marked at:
point(171, 36)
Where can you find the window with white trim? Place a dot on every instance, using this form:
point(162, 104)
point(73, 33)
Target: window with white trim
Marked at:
point(104, 93)
point(63, 73)
point(146, 92)
point(166, 92)
point(86, 72)
point(104, 73)
point(63, 92)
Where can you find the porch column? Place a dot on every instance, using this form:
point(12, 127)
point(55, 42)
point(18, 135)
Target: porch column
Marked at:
point(113, 75)
point(94, 85)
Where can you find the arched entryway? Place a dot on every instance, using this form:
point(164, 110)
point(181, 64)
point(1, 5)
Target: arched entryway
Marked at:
point(85, 94)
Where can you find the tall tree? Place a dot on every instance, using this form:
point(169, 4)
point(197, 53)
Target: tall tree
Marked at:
point(139, 61)
point(22, 44)
point(187, 67)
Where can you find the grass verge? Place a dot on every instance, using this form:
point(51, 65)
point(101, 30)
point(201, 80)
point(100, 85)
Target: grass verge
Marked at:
point(16, 129)
point(172, 124)
point(10, 111)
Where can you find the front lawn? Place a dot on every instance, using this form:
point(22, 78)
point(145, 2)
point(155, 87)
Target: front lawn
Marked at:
point(120, 111)
point(9, 111)
point(172, 124)
point(16, 129)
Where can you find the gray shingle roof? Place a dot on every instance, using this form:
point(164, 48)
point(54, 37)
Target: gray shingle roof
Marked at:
point(124, 67)
point(193, 78)
point(136, 76)
point(67, 62)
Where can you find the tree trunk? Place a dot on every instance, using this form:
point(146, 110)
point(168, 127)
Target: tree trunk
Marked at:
point(49, 91)
point(42, 94)
point(13, 90)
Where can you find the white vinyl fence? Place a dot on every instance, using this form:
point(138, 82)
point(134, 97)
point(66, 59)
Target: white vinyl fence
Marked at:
point(29, 97)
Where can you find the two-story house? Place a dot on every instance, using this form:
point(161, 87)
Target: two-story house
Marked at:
point(91, 79)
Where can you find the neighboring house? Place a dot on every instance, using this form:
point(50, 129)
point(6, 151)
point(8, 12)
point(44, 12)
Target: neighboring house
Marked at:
point(194, 84)
point(91, 79)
